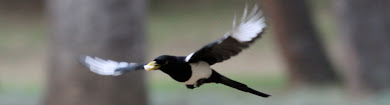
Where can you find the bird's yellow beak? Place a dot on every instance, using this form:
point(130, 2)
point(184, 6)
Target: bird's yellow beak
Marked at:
point(151, 66)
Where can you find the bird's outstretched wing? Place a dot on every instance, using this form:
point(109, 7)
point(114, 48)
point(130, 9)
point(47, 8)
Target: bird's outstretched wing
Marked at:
point(239, 38)
point(109, 67)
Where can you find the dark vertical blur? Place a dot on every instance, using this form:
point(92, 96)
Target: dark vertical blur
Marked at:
point(21, 6)
point(365, 25)
point(111, 29)
point(292, 26)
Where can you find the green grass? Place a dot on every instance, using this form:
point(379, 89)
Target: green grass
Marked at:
point(27, 93)
point(162, 90)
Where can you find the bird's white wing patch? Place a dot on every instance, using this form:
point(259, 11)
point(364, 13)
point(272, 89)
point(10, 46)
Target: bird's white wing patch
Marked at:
point(200, 70)
point(250, 25)
point(189, 57)
point(104, 67)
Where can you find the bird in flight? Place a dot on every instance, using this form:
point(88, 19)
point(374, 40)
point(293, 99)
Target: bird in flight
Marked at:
point(194, 70)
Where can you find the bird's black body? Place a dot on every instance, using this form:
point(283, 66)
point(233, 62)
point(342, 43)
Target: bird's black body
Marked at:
point(194, 70)
point(175, 67)
point(181, 71)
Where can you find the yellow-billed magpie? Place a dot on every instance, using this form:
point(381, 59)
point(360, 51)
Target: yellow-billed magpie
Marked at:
point(194, 70)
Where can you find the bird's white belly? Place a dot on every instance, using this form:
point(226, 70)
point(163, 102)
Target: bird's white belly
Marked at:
point(199, 70)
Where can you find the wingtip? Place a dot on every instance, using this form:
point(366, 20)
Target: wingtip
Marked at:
point(82, 59)
point(234, 20)
point(243, 17)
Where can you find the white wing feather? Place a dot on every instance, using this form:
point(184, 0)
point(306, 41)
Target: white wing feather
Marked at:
point(104, 67)
point(250, 26)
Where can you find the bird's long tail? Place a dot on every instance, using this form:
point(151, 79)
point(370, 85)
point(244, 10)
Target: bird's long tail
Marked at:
point(218, 78)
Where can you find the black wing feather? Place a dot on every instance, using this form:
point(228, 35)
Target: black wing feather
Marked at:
point(233, 42)
point(130, 68)
point(221, 50)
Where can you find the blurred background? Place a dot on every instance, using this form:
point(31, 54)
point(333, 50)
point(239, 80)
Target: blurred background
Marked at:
point(314, 52)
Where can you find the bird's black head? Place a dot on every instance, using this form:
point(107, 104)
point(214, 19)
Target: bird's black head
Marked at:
point(161, 62)
point(165, 59)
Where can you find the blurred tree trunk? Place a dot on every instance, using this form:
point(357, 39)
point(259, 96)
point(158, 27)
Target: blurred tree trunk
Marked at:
point(293, 28)
point(111, 29)
point(21, 6)
point(365, 25)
